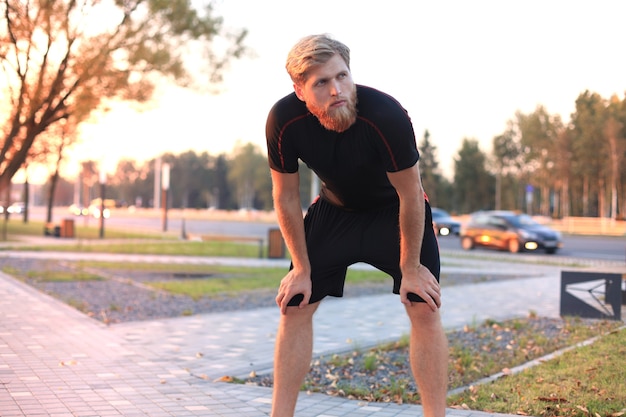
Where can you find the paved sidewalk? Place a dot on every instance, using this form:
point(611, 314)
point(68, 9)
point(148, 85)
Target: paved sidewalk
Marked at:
point(55, 361)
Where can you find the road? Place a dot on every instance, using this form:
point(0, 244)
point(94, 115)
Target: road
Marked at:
point(588, 247)
point(247, 224)
point(577, 246)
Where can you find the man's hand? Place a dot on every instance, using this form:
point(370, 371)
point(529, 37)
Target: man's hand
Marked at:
point(292, 284)
point(423, 283)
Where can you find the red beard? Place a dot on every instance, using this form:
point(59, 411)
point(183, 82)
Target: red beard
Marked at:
point(337, 119)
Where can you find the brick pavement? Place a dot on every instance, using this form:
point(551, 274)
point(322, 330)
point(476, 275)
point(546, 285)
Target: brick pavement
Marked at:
point(55, 361)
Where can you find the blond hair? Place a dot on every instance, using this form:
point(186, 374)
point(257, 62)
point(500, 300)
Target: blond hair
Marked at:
point(311, 51)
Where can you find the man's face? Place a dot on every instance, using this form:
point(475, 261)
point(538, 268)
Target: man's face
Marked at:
point(330, 94)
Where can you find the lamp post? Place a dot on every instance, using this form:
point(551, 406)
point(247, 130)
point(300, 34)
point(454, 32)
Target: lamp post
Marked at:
point(103, 180)
point(165, 186)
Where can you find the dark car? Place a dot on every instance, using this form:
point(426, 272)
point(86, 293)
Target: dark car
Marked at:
point(443, 224)
point(508, 230)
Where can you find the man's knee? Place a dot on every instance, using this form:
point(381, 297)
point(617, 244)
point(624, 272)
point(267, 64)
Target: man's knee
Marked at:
point(422, 316)
point(297, 313)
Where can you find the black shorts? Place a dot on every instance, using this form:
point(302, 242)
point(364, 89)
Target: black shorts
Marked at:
point(337, 239)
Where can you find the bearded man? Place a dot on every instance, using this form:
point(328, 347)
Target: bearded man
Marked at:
point(371, 208)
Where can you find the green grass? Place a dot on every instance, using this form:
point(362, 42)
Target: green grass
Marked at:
point(589, 378)
point(63, 276)
point(52, 275)
point(151, 247)
point(208, 280)
point(230, 280)
point(15, 226)
point(224, 280)
point(583, 382)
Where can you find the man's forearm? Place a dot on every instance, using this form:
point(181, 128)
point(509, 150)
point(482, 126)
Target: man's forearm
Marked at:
point(412, 214)
point(291, 225)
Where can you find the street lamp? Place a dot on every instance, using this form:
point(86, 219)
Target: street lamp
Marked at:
point(165, 186)
point(103, 180)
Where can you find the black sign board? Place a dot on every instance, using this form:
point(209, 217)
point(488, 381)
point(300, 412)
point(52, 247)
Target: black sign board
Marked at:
point(595, 295)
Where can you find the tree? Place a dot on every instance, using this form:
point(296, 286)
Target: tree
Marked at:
point(191, 180)
point(563, 172)
point(249, 176)
point(589, 150)
point(539, 132)
point(615, 136)
point(67, 58)
point(506, 153)
point(125, 183)
point(429, 168)
point(221, 193)
point(65, 131)
point(473, 182)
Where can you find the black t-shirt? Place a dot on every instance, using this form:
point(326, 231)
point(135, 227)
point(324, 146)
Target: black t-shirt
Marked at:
point(352, 164)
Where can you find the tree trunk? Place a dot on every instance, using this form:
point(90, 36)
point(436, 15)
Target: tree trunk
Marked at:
point(7, 200)
point(565, 209)
point(545, 200)
point(601, 198)
point(53, 185)
point(586, 196)
point(26, 199)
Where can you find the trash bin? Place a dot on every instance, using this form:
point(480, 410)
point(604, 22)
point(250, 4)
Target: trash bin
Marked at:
point(67, 228)
point(276, 244)
point(48, 229)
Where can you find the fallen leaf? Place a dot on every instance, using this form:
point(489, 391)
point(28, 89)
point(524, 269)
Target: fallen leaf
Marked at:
point(225, 378)
point(552, 399)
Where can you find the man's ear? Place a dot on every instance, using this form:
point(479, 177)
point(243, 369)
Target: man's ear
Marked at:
point(298, 91)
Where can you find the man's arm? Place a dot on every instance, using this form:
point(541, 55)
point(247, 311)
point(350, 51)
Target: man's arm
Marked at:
point(286, 194)
point(416, 278)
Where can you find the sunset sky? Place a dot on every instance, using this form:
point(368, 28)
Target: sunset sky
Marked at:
point(460, 68)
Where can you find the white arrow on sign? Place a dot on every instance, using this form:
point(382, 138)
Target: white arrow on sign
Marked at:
point(591, 293)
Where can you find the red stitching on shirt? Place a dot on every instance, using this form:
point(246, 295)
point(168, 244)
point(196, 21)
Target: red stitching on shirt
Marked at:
point(280, 139)
point(369, 122)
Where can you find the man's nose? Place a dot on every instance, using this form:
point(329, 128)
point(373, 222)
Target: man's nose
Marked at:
point(335, 88)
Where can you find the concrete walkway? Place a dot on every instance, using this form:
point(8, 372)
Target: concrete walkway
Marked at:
point(55, 361)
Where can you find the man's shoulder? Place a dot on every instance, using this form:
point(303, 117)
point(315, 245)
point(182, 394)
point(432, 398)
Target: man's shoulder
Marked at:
point(286, 109)
point(288, 102)
point(367, 94)
point(371, 100)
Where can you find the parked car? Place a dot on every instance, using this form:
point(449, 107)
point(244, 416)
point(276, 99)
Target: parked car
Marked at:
point(508, 230)
point(78, 210)
point(93, 210)
point(17, 208)
point(443, 224)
